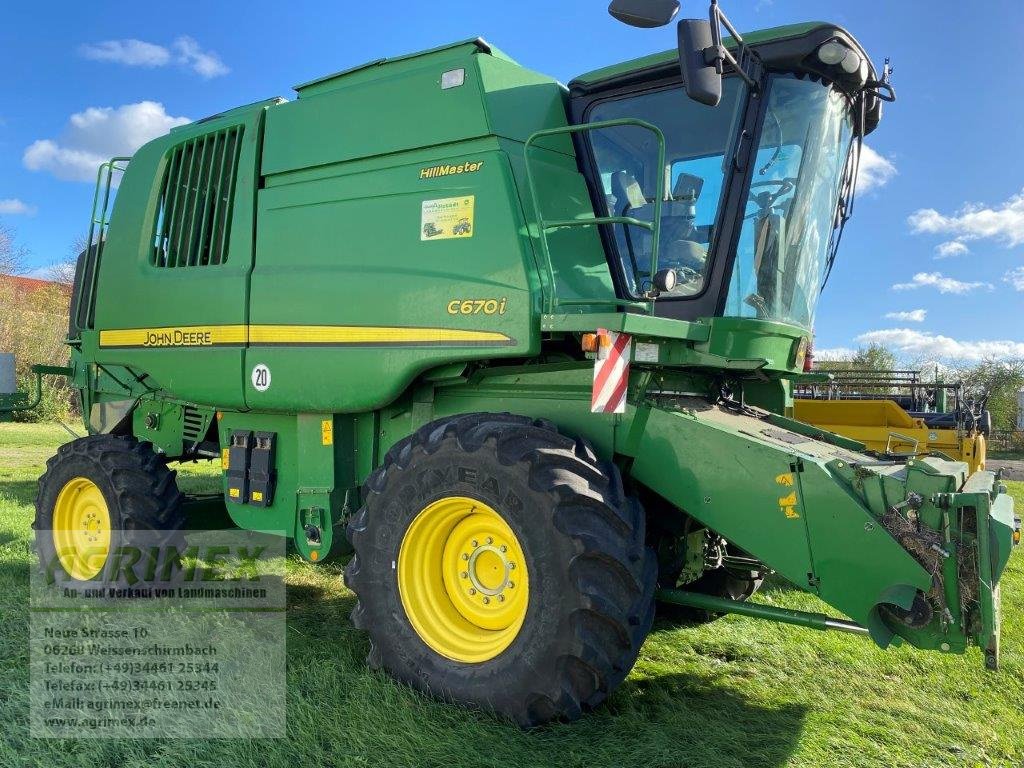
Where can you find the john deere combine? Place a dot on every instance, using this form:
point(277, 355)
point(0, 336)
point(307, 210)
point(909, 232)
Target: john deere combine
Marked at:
point(527, 349)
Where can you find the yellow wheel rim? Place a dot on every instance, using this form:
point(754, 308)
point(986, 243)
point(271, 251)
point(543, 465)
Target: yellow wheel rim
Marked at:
point(463, 579)
point(81, 528)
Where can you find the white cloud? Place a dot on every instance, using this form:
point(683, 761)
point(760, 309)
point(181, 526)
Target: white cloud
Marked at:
point(1004, 223)
point(874, 170)
point(908, 342)
point(942, 283)
point(1015, 277)
point(185, 51)
point(911, 316)
point(132, 53)
point(951, 248)
point(12, 206)
point(834, 354)
point(97, 134)
point(205, 63)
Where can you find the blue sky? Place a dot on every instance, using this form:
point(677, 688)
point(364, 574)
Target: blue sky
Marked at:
point(943, 220)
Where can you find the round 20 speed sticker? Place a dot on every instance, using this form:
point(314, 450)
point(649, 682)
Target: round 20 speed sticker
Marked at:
point(261, 377)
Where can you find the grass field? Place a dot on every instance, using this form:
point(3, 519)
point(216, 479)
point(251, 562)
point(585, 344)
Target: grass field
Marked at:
point(735, 693)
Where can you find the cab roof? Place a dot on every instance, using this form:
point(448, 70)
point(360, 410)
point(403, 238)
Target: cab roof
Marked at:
point(759, 39)
point(789, 48)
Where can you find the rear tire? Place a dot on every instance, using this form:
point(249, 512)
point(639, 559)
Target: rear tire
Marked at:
point(588, 576)
point(99, 493)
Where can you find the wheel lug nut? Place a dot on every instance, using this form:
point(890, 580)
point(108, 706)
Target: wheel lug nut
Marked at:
point(501, 598)
point(472, 591)
point(511, 566)
point(465, 556)
point(503, 548)
point(464, 575)
point(511, 585)
point(474, 544)
point(487, 600)
point(490, 539)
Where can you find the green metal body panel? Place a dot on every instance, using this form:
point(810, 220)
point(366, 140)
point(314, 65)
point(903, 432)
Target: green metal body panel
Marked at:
point(348, 226)
point(770, 492)
point(169, 425)
point(133, 293)
point(372, 319)
point(315, 480)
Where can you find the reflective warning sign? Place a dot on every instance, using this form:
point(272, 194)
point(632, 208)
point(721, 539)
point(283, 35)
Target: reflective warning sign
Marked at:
point(446, 218)
point(611, 372)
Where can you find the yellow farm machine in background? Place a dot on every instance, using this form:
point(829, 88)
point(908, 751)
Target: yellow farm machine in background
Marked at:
point(896, 413)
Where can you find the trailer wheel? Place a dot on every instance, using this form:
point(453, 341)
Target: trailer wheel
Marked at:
point(99, 493)
point(500, 564)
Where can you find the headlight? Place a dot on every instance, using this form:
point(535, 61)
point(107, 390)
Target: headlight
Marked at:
point(833, 52)
point(851, 62)
point(842, 62)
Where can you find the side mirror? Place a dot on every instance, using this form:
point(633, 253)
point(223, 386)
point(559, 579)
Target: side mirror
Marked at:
point(644, 13)
point(8, 381)
point(702, 56)
point(703, 81)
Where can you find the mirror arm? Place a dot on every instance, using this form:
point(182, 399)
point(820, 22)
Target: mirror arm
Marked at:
point(717, 53)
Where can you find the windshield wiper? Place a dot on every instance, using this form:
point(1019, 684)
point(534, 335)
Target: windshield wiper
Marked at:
point(881, 89)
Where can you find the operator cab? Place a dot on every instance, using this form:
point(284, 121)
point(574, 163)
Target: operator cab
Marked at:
point(756, 188)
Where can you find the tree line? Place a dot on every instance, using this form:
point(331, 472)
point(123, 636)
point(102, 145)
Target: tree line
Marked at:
point(997, 382)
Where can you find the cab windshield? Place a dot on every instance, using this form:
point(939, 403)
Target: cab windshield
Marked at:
point(791, 212)
point(697, 142)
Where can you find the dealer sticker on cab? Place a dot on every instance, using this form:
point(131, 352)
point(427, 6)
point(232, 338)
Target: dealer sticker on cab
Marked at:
point(446, 218)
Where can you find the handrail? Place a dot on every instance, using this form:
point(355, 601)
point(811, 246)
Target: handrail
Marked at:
point(104, 181)
point(551, 300)
point(598, 220)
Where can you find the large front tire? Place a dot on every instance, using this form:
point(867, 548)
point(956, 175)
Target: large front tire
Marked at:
point(500, 564)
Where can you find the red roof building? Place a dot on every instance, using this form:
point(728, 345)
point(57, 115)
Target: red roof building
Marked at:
point(31, 284)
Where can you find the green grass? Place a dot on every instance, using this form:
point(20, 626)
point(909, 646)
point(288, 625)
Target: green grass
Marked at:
point(731, 694)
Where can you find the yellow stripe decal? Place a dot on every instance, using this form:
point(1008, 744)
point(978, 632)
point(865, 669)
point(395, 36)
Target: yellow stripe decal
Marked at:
point(239, 335)
point(365, 334)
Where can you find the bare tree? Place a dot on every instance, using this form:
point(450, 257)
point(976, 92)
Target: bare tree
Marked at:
point(998, 381)
point(78, 244)
point(12, 255)
point(63, 272)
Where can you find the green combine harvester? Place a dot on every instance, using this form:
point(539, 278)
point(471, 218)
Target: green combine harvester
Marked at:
point(522, 351)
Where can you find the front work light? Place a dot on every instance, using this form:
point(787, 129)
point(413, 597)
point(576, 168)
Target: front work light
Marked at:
point(833, 52)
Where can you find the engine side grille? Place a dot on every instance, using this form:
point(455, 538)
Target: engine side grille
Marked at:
point(194, 217)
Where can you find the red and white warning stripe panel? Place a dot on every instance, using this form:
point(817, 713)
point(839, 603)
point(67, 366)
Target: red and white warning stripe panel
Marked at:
point(611, 372)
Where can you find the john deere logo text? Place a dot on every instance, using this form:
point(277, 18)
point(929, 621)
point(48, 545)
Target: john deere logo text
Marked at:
point(178, 338)
point(449, 170)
